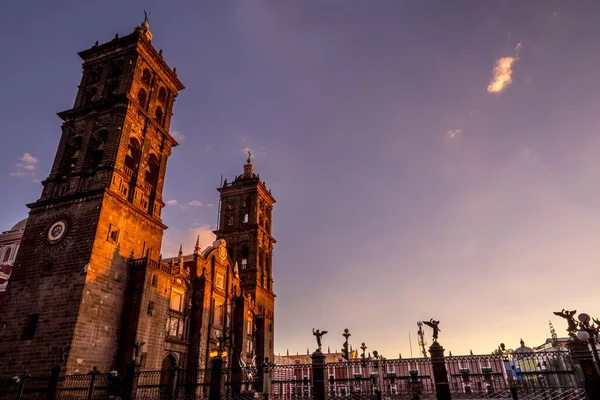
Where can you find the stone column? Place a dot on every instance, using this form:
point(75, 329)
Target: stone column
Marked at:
point(440, 374)
point(56, 381)
point(585, 370)
point(318, 376)
point(130, 381)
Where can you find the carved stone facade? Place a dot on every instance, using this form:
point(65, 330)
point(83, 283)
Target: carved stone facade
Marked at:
point(88, 275)
point(9, 244)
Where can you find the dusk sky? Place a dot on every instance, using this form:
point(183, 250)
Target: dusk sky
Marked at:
point(429, 158)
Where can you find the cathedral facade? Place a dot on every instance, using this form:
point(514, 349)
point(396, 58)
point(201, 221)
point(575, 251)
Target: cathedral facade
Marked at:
point(89, 282)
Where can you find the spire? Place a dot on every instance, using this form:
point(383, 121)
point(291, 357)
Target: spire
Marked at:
point(197, 246)
point(449, 354)
point(399, 356)
point(328, 350)
point(307, 351)
point(249, 168)
point(180, 251)
point(471, 352)
point(236, 269)
point(287, 352)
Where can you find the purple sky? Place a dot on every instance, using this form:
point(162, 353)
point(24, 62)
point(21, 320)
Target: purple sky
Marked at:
point(409, 185)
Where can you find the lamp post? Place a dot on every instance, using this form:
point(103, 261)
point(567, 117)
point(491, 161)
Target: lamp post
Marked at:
point(588, 333)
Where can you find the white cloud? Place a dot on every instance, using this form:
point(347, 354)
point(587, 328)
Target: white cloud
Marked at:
point(503, 72)
point(177, 135)
point(187, 237)
point(172, 202)
point(453, 133)
point(26, 166)
point(195, 203)
point(210, 205)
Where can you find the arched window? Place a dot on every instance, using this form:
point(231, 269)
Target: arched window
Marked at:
point(162, 95)
point(141, 97)
point(7, 254)
point(133, 155)
point(146, 76)
point(96, 148)
point(158, 115)
point(152, 170)
point(71, 155)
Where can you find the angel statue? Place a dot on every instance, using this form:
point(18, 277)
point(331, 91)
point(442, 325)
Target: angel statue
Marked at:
point(572, 324)
point(318, 334)
point(433, 324)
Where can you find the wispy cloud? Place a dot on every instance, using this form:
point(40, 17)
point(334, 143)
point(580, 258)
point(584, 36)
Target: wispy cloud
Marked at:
point(503, 72)
point(210, 205)
point(453, 134)
point(172, 202)
point(177, 135)
point(187, 237)
point(260, 152)
point(195, 203)
point(26, 166)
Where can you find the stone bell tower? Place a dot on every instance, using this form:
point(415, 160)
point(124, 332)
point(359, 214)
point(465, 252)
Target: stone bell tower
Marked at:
point(100, 206)
point(245, 217)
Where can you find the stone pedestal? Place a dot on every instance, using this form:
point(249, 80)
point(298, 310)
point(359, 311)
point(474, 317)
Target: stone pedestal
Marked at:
point(440, 374)
point(318, 375)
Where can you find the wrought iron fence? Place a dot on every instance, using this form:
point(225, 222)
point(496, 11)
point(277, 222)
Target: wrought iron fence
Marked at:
point(292, 381)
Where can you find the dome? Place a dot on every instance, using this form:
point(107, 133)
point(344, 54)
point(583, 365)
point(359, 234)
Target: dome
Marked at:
point(19, 226)
point(523, 348)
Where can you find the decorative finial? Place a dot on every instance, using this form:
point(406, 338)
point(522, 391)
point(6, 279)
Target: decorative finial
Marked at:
point(197, 246)
point(96, 44)
point(180, 251)
point(116, 36)
point(145, 16)
point(160, 52)
point(175, 70)
point(249, 160)
point(471, 352)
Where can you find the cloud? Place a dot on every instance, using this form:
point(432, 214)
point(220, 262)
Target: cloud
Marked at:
point(187, 237)
point(503, 72)
point(26, 166)
point(261, 152)
point(195, 203)
point(210, 205)
point(172, 202)
point(180, 137)
point(453, 133)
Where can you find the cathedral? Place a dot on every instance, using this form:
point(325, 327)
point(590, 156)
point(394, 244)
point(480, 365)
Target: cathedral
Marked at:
point(88, 281)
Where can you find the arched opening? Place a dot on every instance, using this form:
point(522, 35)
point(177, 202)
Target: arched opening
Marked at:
point(96, 147)
point(158, 115)
point(71, 155)
point(162, 95)
point(7, 254)
point(132, 157)
point(146, 76)
point(152, 170)
point(169, 362)
point(141, 97)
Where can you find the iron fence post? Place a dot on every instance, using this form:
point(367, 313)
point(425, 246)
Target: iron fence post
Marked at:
point(130, 380)
point(216, 378)
point(22, 378)
point(440, 374)
point(93, 373)
point(56, 381)
point(318, 376)
point(584, 364)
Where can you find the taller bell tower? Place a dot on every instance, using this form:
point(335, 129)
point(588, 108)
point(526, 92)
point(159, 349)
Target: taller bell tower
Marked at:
point(100, 206)
point(245, 222)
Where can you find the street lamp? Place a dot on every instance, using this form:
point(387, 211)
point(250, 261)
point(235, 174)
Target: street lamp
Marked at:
point(588, 333)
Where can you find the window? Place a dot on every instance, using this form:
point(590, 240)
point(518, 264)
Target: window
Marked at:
point(154, 280)
point(114, 236)
point(249, 346)
point(175, 327)
point(220, 281)
point(30, 326)
point(162, 95)
point(146, 76)
point(141, 97)
point(7, 254)
point(176, 301)
point(158, 115)
point(150, 308)
point(246, 218)
point(218, 315)
point(143, 359)
point(152, 171)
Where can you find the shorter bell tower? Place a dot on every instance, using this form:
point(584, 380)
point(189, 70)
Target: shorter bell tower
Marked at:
point(245, 222)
